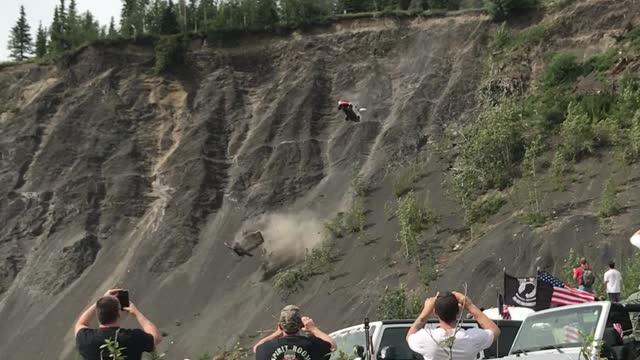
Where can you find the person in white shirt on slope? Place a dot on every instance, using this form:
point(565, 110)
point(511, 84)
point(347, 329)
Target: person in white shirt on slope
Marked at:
point(430, 343)
point(613, 281)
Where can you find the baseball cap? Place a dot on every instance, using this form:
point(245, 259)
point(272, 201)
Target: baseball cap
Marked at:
point(290, 319)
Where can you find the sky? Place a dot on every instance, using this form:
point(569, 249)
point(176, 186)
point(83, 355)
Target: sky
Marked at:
point(42, 10)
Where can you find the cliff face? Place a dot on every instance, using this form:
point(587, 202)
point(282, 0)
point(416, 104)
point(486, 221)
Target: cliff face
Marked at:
point(113, 176)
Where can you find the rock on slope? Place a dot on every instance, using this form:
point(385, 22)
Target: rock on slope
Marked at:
point(114, 176)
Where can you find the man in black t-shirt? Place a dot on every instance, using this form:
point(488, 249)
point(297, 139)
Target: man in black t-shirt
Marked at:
point(133, 342)
point(287, 343)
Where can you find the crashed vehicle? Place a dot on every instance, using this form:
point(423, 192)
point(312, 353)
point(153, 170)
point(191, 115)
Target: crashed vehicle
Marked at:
point(350, 110)
point(246, 243)
point(590, 331)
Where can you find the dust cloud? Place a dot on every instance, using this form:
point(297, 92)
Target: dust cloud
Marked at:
point(287, 237)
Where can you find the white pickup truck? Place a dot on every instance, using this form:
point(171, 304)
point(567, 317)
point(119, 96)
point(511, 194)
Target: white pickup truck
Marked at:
point(590, 331)
point(388, 340)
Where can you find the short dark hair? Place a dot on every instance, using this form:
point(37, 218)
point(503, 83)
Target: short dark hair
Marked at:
point(108, 309)
point(612, 264)
point(447, 307)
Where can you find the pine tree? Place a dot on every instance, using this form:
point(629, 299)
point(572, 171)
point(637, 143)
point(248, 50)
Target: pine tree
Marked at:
point(127, 16)
point(20, 42)
point(154, 15)
point(193, 21)
point(112, 29)
point(89, 27)
point(207, 12)
point(71, 26)
point(41, 42)
point(169, 21)
point(182, 15)
point(266, 14)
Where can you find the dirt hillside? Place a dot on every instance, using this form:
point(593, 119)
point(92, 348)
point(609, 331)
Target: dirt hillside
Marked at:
point(114, 176)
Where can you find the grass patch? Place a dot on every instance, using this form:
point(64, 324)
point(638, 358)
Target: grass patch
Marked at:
point(407, 177)
point(600, 62)
point(482, 209)
point(608, 205)
point(535, 219)
point(317, 261)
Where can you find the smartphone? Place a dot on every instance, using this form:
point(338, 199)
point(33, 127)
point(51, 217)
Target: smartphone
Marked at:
point(123, 297)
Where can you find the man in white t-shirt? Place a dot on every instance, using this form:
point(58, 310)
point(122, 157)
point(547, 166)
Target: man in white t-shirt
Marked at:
point(613, 281)
point(435, 344)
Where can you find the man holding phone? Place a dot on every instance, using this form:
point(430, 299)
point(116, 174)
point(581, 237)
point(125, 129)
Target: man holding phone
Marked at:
point(133, 342)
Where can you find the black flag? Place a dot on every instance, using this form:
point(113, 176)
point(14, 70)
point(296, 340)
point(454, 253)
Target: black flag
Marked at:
point(527, 292)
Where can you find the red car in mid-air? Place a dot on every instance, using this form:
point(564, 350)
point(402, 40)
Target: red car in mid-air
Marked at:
point(350, 110)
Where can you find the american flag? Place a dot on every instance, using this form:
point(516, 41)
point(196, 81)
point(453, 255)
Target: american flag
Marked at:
point(572, 335)
point(564, 294)
point(506, 315)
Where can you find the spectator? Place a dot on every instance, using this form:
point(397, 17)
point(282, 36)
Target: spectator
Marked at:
point(583, 274)
point(467, 343)
point(613, 281)
point(133, 341)
point(287, 342)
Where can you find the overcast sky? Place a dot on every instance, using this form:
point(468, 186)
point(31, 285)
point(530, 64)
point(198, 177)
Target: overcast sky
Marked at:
point(42, 10)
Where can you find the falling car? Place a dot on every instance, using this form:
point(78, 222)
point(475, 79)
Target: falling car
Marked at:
point(350, 110)
point(249, 241)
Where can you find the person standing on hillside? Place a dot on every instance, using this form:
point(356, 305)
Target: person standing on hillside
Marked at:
point(431, 343)
point(132, 342)
point(287, 342)
point(583, 274)
point(613, 281)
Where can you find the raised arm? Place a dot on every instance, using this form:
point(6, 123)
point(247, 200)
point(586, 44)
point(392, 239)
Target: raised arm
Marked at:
point(85, 319)
point(421, 321)
point(145, 323)
point(311, 327)
point(275, 335)
point(482, 319)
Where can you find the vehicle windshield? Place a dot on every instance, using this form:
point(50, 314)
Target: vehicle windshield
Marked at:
point(558, 329)
point(346, 341)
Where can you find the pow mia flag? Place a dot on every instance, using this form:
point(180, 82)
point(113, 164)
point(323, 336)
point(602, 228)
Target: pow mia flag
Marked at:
point(527, 292)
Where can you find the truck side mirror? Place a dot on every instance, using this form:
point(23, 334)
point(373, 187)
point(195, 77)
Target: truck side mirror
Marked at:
point(387, 353)
point(358, 351)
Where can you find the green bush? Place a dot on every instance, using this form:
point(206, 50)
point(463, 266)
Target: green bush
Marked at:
point(501, 10)
point(412, 219)
point(445, 4)
point(558, 170)
point(482, 209)
point(317, 261)
point(169, 53)
point(577, 134)
point(354, 220)
point(335, 226)
point(600, 62)
point(631, 277)
point(608, 205)
point(532, 35)
point(632, 152)
point(563, 69)
point(407, 176)
point(399, 303)
point(490, 152)
point(535, 219)
point(289, 281)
